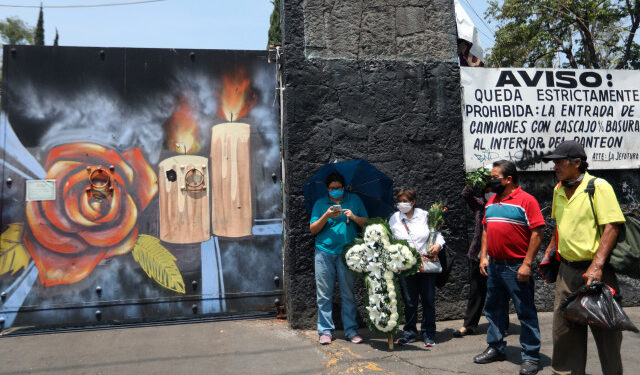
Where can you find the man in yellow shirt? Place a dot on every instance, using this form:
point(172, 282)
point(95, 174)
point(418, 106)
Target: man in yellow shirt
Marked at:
point(584, 254)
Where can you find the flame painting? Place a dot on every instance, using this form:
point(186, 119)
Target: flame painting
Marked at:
point(183, 135)
point(237, 96)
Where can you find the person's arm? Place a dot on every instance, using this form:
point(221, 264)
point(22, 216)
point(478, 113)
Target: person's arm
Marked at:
point(317, 225)
point(357, 219)
point(524, 272)
point(607, 241)
point(359, 208)
point(484, 261)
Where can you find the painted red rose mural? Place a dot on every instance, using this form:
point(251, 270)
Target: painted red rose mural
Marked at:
point(100, 196)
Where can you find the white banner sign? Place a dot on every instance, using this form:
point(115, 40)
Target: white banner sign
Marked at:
point(519, 114)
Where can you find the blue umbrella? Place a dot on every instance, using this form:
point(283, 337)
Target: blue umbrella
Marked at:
point(372, 186)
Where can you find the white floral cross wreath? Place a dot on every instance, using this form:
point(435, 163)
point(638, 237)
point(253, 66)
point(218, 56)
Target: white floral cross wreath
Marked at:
point(380, 259)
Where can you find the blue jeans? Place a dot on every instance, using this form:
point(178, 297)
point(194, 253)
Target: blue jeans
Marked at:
point(327, 267)
point(419, 286)
point(503, 284)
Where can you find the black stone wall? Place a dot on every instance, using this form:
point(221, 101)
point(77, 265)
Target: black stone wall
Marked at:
point(379, 80)
point(381, 83)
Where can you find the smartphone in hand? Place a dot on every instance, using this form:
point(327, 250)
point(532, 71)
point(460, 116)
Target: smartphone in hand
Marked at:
point(336, 207)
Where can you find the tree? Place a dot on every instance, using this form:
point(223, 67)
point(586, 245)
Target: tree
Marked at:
point(13, 30)
point(55, 40)
point(38, 39)
point(275, 35)
point(598, 34)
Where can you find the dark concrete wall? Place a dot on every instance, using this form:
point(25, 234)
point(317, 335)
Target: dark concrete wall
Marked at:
point(379, 80)
point(376, 80)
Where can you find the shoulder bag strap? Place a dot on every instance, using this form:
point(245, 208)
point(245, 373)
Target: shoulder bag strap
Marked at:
point(404, 222)
point(591, 190)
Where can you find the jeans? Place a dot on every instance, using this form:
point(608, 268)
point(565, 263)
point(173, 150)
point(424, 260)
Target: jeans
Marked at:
point(419, 286)
point(328, 267)
point(503, 284)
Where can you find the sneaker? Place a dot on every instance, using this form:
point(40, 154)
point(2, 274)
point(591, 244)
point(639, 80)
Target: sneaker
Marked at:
point(355, 339)
point(325, 339)
point(428, 342)
point(405, 339)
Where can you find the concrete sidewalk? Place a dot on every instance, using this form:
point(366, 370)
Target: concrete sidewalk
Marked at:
point(269, 347)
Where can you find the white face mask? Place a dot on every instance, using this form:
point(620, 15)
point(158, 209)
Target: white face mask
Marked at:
point(488, 196)
point(404, 207)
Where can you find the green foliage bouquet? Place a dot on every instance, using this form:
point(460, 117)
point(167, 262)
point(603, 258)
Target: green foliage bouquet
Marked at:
point(478, 178)
point(436, 216)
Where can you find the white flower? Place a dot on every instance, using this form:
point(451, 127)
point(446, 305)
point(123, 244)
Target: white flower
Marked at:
point(375, 269)
point(388, 275)
point(371, 252)
point(376, 232)
point(374, 284)
point(393, 302)
point(390, 286)
point(396, 265)
point(375, 299)
point(392, 295)
point(385, 241)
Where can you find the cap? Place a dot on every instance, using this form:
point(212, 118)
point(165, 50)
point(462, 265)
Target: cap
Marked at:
point(567, 149)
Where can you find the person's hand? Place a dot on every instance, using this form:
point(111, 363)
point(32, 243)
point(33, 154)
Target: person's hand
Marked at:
point(524, 272)
point(484, 262)
point(434, 250)
point(594, 273)
point(332, 214)
point(347, 212)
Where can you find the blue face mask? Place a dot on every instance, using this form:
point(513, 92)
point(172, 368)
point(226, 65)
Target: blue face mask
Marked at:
point(336, 194)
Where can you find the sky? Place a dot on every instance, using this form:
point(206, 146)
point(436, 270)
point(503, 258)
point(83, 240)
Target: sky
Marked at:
point(206, 24)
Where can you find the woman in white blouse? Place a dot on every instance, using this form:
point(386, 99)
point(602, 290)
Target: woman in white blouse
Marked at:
point(410, 223)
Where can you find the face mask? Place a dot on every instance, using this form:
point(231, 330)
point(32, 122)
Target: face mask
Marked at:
point(404, 207)
point(570, 184)
point(488, 196)
point(496, 186)
point(336, 194)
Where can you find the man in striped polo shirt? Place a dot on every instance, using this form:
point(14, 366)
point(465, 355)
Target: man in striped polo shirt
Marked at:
point(510, 240)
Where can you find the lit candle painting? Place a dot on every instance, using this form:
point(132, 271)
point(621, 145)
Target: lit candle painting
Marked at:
point(230, 157)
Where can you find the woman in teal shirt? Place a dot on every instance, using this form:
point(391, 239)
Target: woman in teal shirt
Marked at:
point(333, 221)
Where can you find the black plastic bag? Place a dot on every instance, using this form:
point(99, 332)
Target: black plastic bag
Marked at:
point(595, 305)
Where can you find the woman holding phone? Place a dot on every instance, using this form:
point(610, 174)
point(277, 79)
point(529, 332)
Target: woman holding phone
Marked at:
point(411, 224)
point(334, 221)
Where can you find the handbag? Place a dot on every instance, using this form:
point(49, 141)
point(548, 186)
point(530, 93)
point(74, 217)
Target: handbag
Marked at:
point(426, 266)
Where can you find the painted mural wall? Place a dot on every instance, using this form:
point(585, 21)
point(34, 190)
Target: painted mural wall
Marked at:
point(137, 184)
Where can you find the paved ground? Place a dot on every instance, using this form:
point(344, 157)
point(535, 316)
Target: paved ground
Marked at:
point(268, 347)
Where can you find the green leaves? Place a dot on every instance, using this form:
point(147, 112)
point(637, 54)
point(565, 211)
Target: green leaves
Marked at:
point(478, 178)
point(13, 30)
